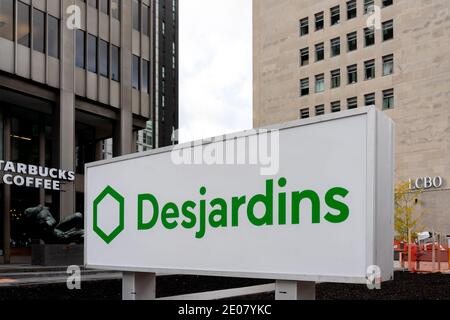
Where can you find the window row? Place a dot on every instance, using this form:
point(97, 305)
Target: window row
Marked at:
point(141, 17)
point(335, 15)
point(107, 7)
point(101, 57)
point(352, 75)
point(351, 103)
point(43, 33)
point(351, 41)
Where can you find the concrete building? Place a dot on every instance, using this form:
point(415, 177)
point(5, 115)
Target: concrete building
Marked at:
point(313, 57)
point(65, 92)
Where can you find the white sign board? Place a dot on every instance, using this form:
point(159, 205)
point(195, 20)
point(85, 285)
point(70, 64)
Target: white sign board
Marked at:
point(324, 212)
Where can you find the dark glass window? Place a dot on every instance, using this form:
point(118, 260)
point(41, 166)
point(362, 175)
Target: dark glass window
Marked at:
point(136, 73)
point(320, 110)
point(93, 3)
point(104, 6)
point(103, 51)
point(388, 30)
point(320, 52)
point(304, 27)
point(38, 30)
point(145, 76)
point(115, 57)
point(136, 15)
point(7, 19)
point(319, 21)
point(115, 9)
point(335, 14)
point(304, 57)
point(369, 37)
point(387, 3)
point(335, 106)
point(352, 41)
point(53, 37)
point(335, 47)
point(304, 87)
point(335, 78)
point(351, 9)
point(23, 24)
point(352, 72)
point(369, 67)
point(145, 19)
point(304, 113)
point(80, 49)
point(92, 53)
point(352, 103)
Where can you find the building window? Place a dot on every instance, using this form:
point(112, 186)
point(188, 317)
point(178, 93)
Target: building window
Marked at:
point(352, 41)
point(352, 72)
point(388, 99)
point(368, 6)
point(304, 113)
point(352, 103)
point(369, 67)
point(115, 9)
point(335, 14)
point(320, 110)
point(388, 30)
point(23, 23)
point(136, 75)
point(103, 49)
point(387, 3)
point(7, 19)
point(335, 78)
point(335, 47)
point(145, 76)
point(388, 65)
point(38, 30)
point(92, 53)
point(93, 3)
point(304, 27)
point(145, 19)
point(53, 37)
point(80, 49)
point(319, 21)
point(320, 83)
point(104, 6)
point(335, 106)
point(320, 52)
point(369, 99)
point(136, 15)
point(304, 57)
point(369, 37)
point(351, 9)
point(115, 63)
point(304, 87)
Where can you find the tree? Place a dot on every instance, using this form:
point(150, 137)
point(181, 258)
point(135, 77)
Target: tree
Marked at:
point(408, 211)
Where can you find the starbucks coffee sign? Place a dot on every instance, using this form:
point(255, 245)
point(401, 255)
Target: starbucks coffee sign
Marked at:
point(32, 176)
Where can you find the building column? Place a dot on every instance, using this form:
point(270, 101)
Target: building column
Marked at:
point(42, 158)
point(123, 136)
point(7, 193)
point(67, 113)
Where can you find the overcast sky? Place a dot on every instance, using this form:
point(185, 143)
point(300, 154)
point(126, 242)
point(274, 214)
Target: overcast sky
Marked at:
point(215, 67)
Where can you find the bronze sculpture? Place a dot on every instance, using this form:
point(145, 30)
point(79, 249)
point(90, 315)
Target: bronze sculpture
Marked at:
point(43, 226)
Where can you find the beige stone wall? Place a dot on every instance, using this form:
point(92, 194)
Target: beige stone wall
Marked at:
point(421, 80)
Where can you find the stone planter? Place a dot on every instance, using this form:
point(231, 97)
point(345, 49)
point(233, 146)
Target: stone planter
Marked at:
point(57, 255)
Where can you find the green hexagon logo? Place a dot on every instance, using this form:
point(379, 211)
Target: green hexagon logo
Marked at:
point(109, 191)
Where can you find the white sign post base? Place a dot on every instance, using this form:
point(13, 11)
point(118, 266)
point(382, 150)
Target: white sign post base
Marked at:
point(295, 290)
point(138, 286)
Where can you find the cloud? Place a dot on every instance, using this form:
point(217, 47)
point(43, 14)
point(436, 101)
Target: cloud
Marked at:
point(215, 67)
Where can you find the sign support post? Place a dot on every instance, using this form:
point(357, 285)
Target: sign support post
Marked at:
point(138, 286)
point(295, 290)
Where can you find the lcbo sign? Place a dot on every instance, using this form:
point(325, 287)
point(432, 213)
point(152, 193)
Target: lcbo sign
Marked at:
point(324, 214)
point(426, 183)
